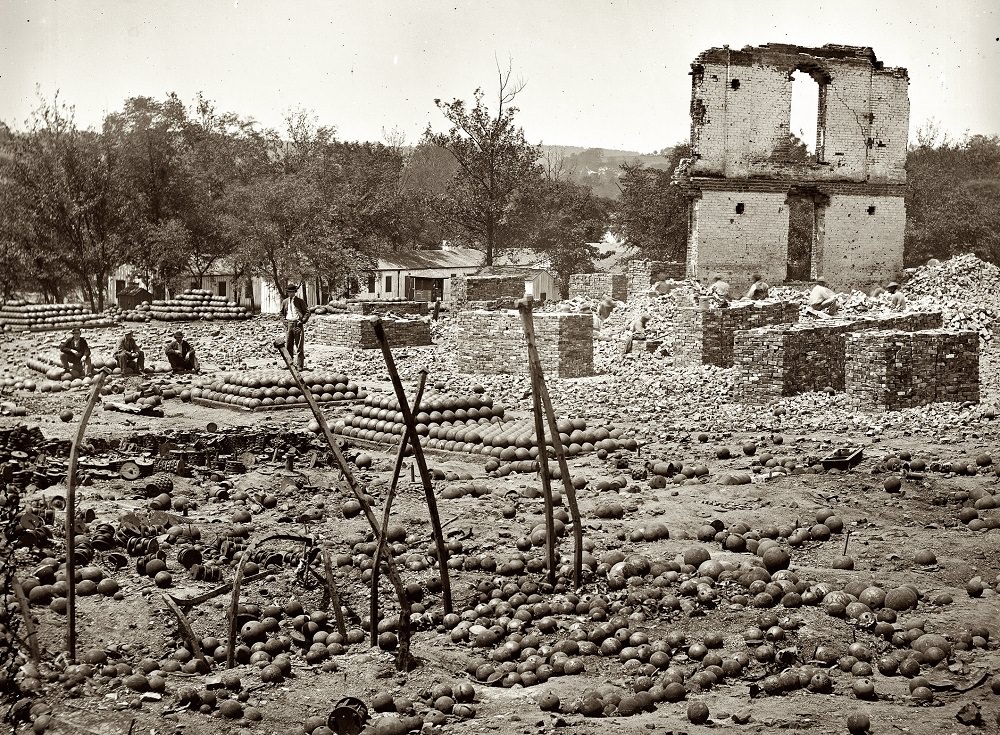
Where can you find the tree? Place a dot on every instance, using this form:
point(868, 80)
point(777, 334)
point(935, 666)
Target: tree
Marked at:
point(72, 195)
point(495, 164)
point(564, 218)
point(652, 214)
point(951, 194)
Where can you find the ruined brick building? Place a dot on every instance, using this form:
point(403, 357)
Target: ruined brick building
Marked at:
point(744, 181)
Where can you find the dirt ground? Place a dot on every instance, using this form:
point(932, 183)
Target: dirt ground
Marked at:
point(677, 415)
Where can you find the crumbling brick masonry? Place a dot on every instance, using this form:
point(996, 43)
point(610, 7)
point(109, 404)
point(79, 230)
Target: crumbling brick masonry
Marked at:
point(598, 285)
point(744, 175)
point(493, 342)
point(705, 336)
point(486, 288)
point(798, 358)
point(640, 273)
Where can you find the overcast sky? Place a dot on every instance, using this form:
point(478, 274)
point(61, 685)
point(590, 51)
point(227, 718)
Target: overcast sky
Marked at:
point(599, 73)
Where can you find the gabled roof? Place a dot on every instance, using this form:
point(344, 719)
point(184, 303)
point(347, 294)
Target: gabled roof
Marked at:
point(430, 259)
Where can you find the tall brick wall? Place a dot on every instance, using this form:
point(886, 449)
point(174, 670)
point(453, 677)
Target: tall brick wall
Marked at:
point(598, 285)
point(705, 336)
point(888, 369)
point(858, 248)
point(737, 245)
point(486, 288)
point(493, 342)
point(798, 358)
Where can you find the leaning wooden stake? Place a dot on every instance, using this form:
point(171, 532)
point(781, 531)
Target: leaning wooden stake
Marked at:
point(95, 393)
point(534, 369)
point(331, 585)
point(390, 496)
point(186, 628)
point(403, 659)
point(421, 462)
point(29, 624)
point(560, 451)
point(234, 604)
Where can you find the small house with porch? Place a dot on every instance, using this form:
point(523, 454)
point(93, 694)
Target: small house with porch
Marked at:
point(419, 275)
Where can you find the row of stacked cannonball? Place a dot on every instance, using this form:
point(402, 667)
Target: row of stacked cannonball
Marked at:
point(191, 304)
point(277, 388)
point(471, 424)
point(52, 368)
point(22, 316)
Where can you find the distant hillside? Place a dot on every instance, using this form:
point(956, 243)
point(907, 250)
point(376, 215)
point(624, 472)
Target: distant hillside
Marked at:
point(599, 168)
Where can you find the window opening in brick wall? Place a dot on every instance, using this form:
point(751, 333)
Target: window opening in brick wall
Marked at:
point(801, 237)
point(871, 209)
point(735, 84)
point(740, 208)
point(808, 116)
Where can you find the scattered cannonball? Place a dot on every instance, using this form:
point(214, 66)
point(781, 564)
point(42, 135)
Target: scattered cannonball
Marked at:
point(363, 461)
point(231, 708)
point(163, 579)
point(697, 712)
point(66, 415)
point(924, 557)
point(858, 722)
point(975, 587)
point(892, 484)
point(749, 449)
point(549, 701)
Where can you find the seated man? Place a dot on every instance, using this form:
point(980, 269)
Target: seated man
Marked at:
point(758, 289)
point(128, 355)
point(181, 354)
point(74, 354)
point(637, 330)
point(822, 298)
point(605, 308)
point(719, 291)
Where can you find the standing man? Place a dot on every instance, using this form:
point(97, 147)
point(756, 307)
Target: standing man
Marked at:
point(296, 314)
point(181, 354)
point(128, 355)
point(74, 354)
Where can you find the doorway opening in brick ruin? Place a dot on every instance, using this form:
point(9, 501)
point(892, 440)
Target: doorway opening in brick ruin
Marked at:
point(805, 232)
point(807, 122)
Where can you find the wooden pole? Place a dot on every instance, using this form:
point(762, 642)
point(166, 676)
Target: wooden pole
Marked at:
point(74, 453)
point(186, 628)
point(234, 604)
point(403, 660)
point(29, 624)
point(389, 498)
point(421, 462)
point(331, 585)
point(534, 367)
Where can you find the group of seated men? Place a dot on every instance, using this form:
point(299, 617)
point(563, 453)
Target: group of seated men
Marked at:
point(74, 354)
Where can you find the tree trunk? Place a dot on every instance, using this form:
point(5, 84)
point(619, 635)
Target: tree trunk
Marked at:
point(490, 239)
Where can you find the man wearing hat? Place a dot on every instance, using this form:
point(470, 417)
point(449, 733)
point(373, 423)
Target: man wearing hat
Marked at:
point(296, 314)
point(128, 355)
point(822, 298)
point(896, 300)
point(181, 354)
point(74, 354)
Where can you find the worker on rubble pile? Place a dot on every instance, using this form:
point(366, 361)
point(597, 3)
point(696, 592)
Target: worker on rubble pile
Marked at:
point(74, 354)
point(636, 331)
point(296, 314)
point(896, 300)
point(604, 310)
point(822, 298)
point(719, 290)
point(758, 290)
point(129, 357)
point(181, 354)
point(659, 287)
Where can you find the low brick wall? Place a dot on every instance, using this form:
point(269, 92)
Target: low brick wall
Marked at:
point(486, 288)
point(381, 306)
point(599, 285)
point(706, 336)
point(891, 370)
point(639, 273)
point(355, 332)
point(798, 358)
point(493, 342)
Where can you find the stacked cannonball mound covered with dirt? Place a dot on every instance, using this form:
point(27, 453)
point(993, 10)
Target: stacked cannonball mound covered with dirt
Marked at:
point(275, 389)
point(192, 304)
point(20, 316)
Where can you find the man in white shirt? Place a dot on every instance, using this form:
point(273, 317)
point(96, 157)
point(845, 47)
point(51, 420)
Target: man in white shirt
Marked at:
point(296, 314)
point(822, 298)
